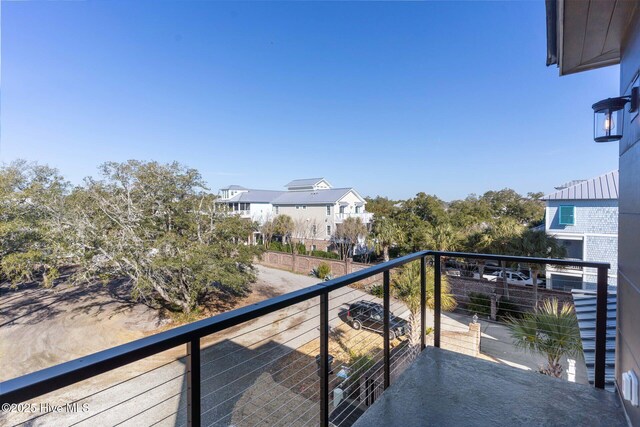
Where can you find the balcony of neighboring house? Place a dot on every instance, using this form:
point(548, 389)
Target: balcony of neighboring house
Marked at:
point(238, 208)
point(333, 354)
point(365, 217)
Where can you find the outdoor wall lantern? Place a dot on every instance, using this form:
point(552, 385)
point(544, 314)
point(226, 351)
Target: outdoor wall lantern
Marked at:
point(608, 116)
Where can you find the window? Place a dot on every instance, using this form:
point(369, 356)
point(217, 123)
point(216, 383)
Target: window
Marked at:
point(314, 231)
point(328, 230)
point(575, 248)
point(277, 210)
point(313, 247)
point(297, 207)
point(304, 206)
point(358, 209)
point(341, 209)
point(566, 283)
point(328, 209)
point(567, 215)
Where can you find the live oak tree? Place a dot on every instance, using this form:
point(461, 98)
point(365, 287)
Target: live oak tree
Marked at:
point(33, 229)
point(157, 226)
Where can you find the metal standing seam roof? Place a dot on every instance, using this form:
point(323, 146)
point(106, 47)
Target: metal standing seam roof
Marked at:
point(318, 197)
point(254, 196)
point(331, 195)
point(585, 306)
point(306, 182)
point(234, 187)
point(599, 188)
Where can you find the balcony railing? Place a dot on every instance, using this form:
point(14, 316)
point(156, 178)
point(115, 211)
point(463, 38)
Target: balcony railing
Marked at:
point(365, 217)
point(568, 267)
point(242, 213)
point(55, 378)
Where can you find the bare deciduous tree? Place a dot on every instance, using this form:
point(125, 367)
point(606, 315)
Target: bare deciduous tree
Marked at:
point(348, 234)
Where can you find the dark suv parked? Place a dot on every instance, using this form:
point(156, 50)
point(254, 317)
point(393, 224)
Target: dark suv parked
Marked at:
point(369, 315)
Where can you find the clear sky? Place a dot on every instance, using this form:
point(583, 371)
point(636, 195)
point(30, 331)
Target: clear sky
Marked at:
point(390, 98)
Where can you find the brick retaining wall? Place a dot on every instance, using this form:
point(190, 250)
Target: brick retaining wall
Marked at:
point(305, 263)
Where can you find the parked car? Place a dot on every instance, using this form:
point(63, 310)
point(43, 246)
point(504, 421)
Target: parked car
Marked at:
point(369, 315)
point(513, 278)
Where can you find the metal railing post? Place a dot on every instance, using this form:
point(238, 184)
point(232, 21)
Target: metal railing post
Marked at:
point(437, 300)
point(193, 383)
point(387, 344)
point(324, 359)
point(601, 328)
point(423, 302)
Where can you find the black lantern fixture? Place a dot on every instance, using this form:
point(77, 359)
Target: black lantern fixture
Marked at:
point(608, 116)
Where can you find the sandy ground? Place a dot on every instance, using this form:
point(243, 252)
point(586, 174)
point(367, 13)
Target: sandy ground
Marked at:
point(43, 327)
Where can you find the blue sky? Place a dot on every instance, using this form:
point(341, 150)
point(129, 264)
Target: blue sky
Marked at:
point(391, 98)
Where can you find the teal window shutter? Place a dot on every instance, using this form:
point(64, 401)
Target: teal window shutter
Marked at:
point(567, 215)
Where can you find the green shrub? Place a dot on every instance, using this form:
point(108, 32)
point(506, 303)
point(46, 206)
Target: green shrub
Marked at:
point(479, 303)
point(325, 254)
point(279, 247)
point(359, 364)
point(323, 270)
point(377, 291)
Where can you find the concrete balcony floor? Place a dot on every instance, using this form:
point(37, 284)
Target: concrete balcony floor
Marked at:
point(443, 388)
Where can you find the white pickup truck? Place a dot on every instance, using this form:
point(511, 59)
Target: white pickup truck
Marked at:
point(513, 278)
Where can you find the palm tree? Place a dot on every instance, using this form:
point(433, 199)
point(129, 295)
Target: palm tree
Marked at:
point(537, 244)
point(406, 287)
point(443, 237)
point(498, 239)
point(386, 233)
point(550, 330)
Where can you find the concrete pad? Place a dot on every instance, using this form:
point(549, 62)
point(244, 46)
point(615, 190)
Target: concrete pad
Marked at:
point(443, 388)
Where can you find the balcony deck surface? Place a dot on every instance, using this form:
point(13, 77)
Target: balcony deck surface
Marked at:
point(443, 388)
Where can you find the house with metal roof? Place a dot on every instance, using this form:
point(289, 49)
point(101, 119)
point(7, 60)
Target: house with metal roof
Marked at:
point(313, 203)
point(583, 215)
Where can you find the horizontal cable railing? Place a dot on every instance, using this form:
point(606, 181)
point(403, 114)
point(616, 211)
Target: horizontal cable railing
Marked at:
point(217, 384)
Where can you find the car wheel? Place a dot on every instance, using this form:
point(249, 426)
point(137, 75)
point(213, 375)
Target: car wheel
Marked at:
point(392, 335)
point(356, 325)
